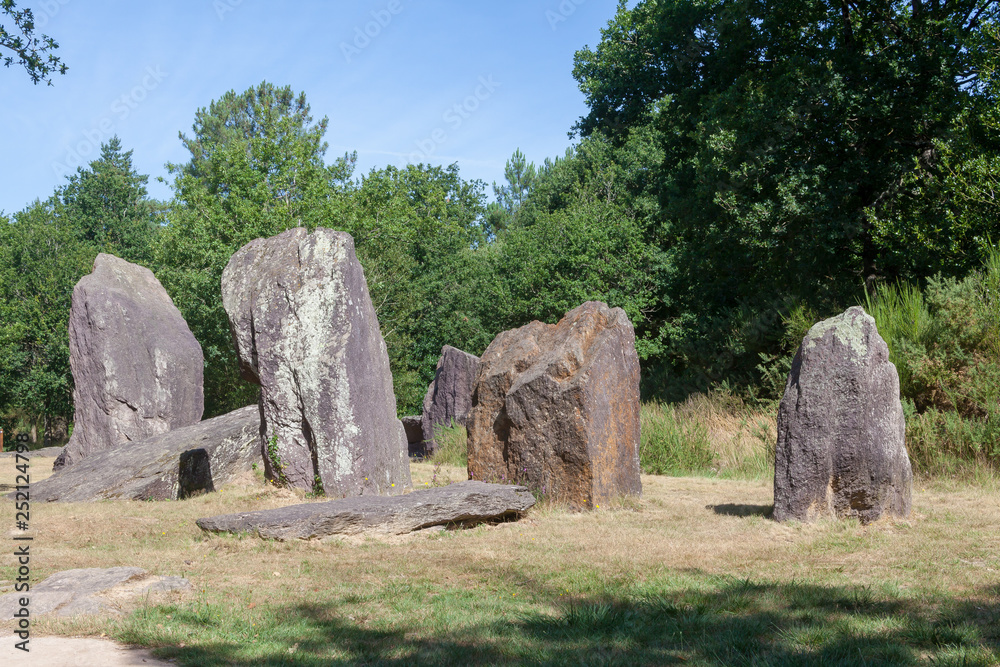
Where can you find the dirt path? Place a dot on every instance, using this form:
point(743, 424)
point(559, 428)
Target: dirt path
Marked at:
point(75, 652)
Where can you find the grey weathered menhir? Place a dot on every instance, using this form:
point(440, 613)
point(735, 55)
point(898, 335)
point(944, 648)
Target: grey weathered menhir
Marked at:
point(465, 503)
point(449, 395)
point(841, 436)
point(137, 368)
point(306, 332)
point(177, 464)
point(556, 407)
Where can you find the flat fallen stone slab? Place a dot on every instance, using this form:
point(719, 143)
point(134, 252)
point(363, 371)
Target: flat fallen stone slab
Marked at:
point(465, 503)
point(176, 464)
point(88, 591)
point(44, 452)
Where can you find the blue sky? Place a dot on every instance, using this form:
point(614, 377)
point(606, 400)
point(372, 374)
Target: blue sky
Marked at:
point(400, 81)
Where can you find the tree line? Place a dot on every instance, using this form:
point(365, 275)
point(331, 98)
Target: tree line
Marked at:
point(741, 163)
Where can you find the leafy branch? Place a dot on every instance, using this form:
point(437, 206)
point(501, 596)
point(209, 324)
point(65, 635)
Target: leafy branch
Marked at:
point(33, 52)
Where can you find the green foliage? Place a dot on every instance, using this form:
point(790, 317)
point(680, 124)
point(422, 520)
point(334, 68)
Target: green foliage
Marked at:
point(44, 251)
point(793, 139)
point(670, 445)
point(582, 234)
point(452, 446)
point(277, 467)
point(34, 53)
point(41, 259)
point(415, 230)
point(109, 207)
point(318, 489)
point(944, 342)
point(256, 169)
point(520, 176)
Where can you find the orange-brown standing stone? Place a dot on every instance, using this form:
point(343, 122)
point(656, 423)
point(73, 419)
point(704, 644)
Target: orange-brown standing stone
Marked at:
point(556, 408)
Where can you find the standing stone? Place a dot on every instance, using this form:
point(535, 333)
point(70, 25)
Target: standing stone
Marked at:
point(449, 395)
point(841, 437)
point(556, 408)
point(414, 435)
point(306, 332)
point(137, 368)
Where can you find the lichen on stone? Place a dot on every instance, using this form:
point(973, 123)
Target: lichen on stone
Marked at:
point(846, 328)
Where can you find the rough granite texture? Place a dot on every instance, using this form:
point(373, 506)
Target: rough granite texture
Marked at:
point(449, 395)
point(44, 452)
point(177, 464)
point(465, 503)
point(556, 407)
point(89, 591)
point(306, 332)
point(137, 368)
point(841, 436)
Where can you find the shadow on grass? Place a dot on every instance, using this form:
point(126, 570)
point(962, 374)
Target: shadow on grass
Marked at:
point(734, 509)
point(732, 623)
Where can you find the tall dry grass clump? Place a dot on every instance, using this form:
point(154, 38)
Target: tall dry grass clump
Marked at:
point(715, 433)
point(452, 446)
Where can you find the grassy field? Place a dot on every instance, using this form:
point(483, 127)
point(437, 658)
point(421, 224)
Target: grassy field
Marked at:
point(694, 573)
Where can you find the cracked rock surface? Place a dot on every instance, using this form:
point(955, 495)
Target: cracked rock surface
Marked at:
point(305, 330)
point(841, 447)
point(137, 368)
point(556, 407)
point(197, 458)
point(465, 503)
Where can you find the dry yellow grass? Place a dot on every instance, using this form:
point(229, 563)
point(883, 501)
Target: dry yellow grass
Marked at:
point(698, 525)
point(737, 432)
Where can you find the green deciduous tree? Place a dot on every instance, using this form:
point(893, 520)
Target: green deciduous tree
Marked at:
point(256, 169)
point(788, 130)
point(585, 231)
point(109, 206)
point(41, 258)
point(415, 229)
point(34, 53)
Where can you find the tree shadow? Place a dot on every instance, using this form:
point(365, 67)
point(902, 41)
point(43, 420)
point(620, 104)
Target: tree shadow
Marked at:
point(735, 509)
point(736, 623)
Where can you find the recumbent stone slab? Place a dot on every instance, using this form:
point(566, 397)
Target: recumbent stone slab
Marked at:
point(177, 464)
point(841, 447)
point(82, 591)
point(137, 368)
point(306, 332)
point(464, 503)
point(556, 407)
